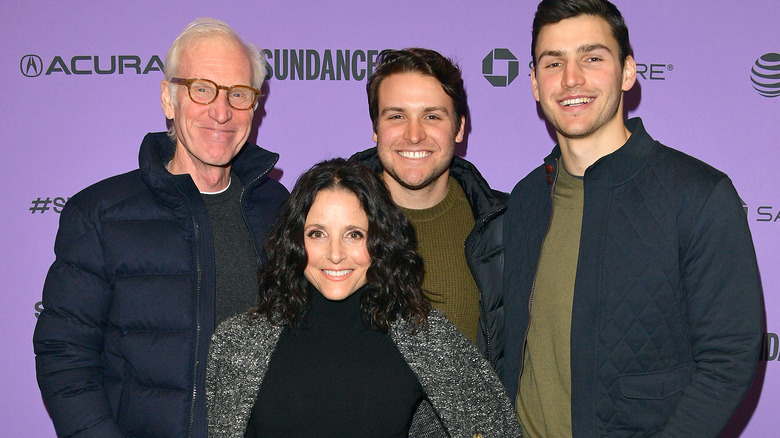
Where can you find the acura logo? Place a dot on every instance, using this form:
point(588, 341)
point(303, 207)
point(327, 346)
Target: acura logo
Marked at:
point(31, 65)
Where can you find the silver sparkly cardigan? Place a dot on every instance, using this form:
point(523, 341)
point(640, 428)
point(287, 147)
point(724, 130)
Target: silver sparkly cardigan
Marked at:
point(464, 396)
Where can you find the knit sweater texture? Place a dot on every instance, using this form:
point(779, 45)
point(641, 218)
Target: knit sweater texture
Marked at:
point(235, 258)
point(441, 231)
point(463, 395)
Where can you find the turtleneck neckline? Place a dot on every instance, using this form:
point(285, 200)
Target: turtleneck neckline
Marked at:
point(318, 378)
point(337, 318)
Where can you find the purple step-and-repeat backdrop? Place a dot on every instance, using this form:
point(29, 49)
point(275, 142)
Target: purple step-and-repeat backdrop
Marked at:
point(81, 88)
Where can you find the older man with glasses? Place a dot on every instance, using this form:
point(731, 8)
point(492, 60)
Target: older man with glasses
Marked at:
point(149, 262)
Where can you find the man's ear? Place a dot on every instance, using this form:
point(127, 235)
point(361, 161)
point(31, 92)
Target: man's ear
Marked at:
point(629, 73)
point(459, 135)
point(534, 84)
point(165, 100)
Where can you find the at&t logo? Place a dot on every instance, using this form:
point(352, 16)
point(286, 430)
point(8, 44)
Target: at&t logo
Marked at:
point(508, 67)
point(765, 75)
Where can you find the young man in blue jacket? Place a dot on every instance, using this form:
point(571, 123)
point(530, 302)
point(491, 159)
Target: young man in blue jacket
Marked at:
point(632, 295)
point(149, 262)
point(417, 104)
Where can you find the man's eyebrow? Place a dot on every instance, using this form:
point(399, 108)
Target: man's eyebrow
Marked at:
point(392, 109)
point(552, 53)
point(431, 109)
point(428, 109)
point(585, 48)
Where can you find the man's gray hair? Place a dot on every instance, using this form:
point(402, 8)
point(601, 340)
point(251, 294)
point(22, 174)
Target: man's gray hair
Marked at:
point(207, 28)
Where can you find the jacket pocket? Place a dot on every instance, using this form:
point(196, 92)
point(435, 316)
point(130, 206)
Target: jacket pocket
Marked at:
point(656, 385)
point(122, 417)
point(646, 401)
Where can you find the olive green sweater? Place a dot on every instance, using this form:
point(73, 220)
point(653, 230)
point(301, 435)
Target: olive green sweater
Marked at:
point(441, 231)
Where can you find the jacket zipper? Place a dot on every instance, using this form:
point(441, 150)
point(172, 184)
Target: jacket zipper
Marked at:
point(243, 210)
point(198, 289)
point(533, 286)
point(197, 324)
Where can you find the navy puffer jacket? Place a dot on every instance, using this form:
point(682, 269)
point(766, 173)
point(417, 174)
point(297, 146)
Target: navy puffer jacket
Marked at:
point(121, 346)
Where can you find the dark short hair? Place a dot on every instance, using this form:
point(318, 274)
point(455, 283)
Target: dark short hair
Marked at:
point(553, 11)
point(394, 277)
point(423, 61)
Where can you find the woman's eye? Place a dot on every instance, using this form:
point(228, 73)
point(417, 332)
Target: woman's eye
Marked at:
point(355, 235)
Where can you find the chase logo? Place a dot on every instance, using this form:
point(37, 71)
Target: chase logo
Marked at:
point(507, 63)
point(765, 75)
point(31, 65)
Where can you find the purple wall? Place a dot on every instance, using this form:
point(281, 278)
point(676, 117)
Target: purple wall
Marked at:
point(61, 131)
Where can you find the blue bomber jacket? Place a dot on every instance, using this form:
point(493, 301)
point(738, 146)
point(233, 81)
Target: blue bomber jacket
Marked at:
point(483, 248)
point(122, 342)
point(667, 314)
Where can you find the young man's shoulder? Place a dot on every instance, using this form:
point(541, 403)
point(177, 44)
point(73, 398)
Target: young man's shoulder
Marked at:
point(672, 161)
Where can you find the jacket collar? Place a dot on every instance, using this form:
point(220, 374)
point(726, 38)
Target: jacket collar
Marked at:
point(615, 168)
point(251, 163)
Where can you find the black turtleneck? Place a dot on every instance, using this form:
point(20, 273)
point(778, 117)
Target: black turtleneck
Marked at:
point(335, 377)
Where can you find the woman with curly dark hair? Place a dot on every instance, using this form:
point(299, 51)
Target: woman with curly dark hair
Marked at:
point(343, 341)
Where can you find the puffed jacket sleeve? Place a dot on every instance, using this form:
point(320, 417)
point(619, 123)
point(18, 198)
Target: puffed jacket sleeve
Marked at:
point(69, 335)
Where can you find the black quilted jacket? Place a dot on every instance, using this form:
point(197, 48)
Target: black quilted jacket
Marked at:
point(483, 248)
point(667, 314)
point(121, 345)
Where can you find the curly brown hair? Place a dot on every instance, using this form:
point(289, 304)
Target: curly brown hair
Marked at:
point(394, 277)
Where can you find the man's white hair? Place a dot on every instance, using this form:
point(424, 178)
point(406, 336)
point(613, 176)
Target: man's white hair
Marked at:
point(209, 28)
